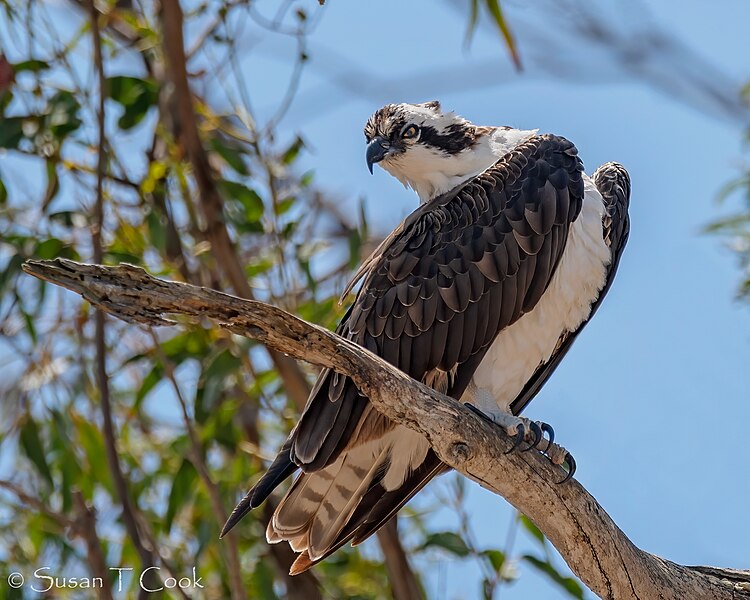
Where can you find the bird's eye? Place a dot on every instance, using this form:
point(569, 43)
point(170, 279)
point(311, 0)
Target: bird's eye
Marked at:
point(410, 132)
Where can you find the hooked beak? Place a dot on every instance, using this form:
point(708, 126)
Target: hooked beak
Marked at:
point(377, 150)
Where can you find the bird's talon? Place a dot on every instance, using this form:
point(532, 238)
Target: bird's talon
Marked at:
point(519, 437)
point(538, 436)
point(547, 428)
point(571, 463)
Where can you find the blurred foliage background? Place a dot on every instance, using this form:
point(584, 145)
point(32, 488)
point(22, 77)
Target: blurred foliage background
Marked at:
point(132, 446)
point(129, 446)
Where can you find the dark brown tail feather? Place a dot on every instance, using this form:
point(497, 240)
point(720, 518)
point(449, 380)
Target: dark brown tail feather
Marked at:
point(281, 468)
point(375, 508)
point(326, 426)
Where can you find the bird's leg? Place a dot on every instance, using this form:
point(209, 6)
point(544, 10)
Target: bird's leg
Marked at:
point(521, 429)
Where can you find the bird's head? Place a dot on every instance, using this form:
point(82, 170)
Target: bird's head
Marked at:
point(425, 148)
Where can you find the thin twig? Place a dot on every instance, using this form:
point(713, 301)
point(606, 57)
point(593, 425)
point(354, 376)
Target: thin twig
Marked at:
point(35, 503)
point(128, 509)
point(85, 527)
point(196, 456)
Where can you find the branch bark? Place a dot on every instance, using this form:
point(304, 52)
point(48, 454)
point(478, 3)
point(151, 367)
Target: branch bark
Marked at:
point(597, 551)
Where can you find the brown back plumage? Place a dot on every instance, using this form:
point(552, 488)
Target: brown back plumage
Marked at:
point(435, 295)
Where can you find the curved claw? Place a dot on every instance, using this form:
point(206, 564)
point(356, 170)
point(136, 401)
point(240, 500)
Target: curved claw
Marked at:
point(538, 436)
point(520, 435)
point(570, 461)
point(547, 428)
point(478, 412)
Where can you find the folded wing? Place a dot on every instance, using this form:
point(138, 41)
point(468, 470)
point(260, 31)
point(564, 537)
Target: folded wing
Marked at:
point(435, 295)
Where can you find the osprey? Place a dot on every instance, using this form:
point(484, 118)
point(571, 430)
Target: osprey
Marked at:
point(479, 293)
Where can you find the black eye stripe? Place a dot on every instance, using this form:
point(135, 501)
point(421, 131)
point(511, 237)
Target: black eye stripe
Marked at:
point(457, 137)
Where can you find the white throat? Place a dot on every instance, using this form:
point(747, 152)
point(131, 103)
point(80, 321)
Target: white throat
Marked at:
point(431, 172)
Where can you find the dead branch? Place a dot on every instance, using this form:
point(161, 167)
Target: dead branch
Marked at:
point(590, 542)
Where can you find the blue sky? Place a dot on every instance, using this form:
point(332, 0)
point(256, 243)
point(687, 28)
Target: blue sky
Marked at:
point(653, 399)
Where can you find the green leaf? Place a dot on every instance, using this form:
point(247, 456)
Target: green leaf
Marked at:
point(181, 492)
point(205, 535)
point(447, 540)
point(262, 266)
point(48, 249)
point(3, 193)
point(732, 186)
point(32, 447)
point(157, 230)
point(30, 327)
point(497, 14)
point(119, 256)
point(355, 248)
point(284, 205)
point(213, 382)
point(62, 115)
point(53, 184)
point(136, 96)
point(149, 382)
point(220, 426)
point(232, 154)
point(473, 20)
point(91, 441)
point(496, 558)
point(568, 584)
point(157, 173)
point(129, 240)
point(11, 132)
point(248, 198)
point(531, 528)
point(12, 269)
point(185, 345)
point(262, 581)
point(291, 153)
point(63, 458)
point(33, 66)
point(64, 217)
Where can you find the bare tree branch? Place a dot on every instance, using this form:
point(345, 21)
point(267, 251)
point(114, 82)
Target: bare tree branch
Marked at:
point(584, 534)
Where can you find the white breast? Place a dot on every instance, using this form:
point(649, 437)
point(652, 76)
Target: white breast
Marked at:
point(519, 349)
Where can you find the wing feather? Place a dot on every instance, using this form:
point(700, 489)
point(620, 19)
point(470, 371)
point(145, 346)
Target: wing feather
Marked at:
point(435, 294)
point(613, 183)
